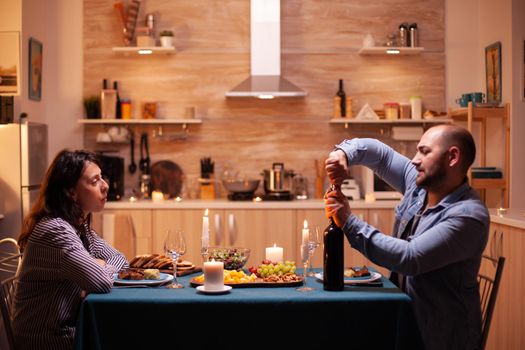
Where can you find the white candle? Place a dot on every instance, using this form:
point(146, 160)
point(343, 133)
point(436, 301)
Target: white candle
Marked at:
point(306, 233)
point(205, 239)
point(157, 196)
point(213, 275)
point(274, 254)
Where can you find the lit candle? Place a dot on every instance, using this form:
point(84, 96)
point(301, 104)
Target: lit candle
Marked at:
point(274, 254)
point(213, 275)
point(306, 233)
point(205, 240)
point(157, 196)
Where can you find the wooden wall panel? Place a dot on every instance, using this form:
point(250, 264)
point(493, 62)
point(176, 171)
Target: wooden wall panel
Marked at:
point(320, 42)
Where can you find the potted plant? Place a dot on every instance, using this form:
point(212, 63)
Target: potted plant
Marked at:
point(166, 38)
point(92, 106)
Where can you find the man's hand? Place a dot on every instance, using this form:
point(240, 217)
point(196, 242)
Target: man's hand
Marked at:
point(336, 167)
point(336, 206)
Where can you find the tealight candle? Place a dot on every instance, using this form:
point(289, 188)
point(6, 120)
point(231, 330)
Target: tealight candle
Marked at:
point(157, 196)
point(213, 275)
point(274, 254)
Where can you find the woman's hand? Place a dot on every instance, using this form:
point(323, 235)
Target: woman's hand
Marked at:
point(336, 167)
point(336, 206)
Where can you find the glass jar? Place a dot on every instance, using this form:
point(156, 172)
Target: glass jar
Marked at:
point(391, 110)
point(145, 186)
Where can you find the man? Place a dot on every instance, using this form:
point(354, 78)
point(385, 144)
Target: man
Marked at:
point(440, 230)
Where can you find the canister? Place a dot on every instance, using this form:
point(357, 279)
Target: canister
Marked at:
point(391, 110)
point(404, 111)
point(415, 103)
point(125, 107)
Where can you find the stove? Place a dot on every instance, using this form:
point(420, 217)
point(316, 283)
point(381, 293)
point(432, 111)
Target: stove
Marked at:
point(277, 196)
point(240, 196)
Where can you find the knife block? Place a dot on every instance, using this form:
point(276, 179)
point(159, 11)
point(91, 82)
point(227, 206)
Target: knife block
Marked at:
point(207, 188)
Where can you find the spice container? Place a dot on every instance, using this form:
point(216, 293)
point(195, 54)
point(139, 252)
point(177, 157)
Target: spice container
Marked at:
point(391, 110)
point(403, 34)
point(416, 106)
point(125, 108)
point(414, 37)
point(404, 111)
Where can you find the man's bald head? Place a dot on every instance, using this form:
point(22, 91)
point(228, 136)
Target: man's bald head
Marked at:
point(453, 135)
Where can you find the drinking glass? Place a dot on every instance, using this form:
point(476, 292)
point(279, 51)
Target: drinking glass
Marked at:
point(175, 247)
point(313, 243)
point(305, 257)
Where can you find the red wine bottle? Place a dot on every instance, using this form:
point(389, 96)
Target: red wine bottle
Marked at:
point(333, 265)
point(341, 98)
point(118, 108)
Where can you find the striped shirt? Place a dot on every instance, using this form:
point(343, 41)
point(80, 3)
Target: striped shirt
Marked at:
point(57, 268)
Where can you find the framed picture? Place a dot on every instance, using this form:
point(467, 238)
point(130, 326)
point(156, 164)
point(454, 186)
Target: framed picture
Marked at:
point(9, 63)
point(35, 69)
point(493, 72)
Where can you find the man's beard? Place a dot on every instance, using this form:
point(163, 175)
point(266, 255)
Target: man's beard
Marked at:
point(435, 178)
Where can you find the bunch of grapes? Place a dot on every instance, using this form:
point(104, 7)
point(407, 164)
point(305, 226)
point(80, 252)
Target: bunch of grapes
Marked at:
point(268, 268)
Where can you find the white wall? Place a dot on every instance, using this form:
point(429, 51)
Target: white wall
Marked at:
point(471, 25)
point(58, 25)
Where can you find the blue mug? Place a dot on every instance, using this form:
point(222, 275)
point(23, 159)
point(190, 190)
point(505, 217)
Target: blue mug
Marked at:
point(464, 100)
point(477, 97)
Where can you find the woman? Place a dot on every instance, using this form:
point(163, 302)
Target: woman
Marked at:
point(64, 259)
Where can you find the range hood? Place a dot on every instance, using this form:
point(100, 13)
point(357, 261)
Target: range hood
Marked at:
point(265, 81)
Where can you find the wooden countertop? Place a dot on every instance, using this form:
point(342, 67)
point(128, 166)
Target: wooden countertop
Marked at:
point(227, 204)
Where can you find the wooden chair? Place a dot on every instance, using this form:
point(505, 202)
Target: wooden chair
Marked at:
point(7, 290)
point(488, 289)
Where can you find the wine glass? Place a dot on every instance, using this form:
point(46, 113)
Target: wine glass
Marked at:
point(305, 257)
point(313, 243)
point(175, 247)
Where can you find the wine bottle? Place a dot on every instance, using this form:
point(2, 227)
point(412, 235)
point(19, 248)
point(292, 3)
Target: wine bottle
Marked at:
point(340, 101)
point(333, 264)
point(108, 101)
point(118, 108)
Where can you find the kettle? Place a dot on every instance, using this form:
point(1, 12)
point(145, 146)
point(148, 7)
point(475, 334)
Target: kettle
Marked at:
point(278, 179)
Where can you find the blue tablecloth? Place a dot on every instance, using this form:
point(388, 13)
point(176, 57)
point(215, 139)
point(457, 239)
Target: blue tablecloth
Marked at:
point(359, 317)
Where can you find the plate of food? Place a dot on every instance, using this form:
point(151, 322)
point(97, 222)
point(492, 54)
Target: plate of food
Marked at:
point(149, 277)
point(356, 275)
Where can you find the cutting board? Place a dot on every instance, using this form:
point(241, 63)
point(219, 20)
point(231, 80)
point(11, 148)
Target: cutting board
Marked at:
point(167, 177)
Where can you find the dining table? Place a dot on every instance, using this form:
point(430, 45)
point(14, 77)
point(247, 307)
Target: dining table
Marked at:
point(368, 316)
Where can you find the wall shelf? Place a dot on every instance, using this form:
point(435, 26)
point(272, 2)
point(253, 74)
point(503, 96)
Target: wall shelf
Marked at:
point(390, 50)
point(139, 121)
point(386, 122)
point(144, 50)
point(481, 114)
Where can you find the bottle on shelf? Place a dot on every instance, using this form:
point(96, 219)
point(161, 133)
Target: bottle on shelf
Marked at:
point(414, 38)
point(340, 102)
point(333, 262)
point(403, 35)
point(118, 108)
point(108, 101)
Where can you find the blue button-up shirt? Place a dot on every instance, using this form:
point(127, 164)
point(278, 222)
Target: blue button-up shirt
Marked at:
point(440, 259)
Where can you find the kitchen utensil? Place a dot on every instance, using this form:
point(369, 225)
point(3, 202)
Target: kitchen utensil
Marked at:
point(207, 167)
point(132, 166)
point(144, 163)
point(167, 176)
point(278, 179)
point(240, 186)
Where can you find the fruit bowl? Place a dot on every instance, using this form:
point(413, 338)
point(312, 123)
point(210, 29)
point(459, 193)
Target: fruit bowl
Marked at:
point(234, 258)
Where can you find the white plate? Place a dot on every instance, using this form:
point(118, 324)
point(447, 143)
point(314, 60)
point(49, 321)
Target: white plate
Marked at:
point(355, 280)
point(224, 290)
point(164, 278)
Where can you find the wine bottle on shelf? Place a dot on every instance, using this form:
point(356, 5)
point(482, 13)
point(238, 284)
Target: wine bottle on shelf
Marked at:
point(333, 263)
point(118, 108)
point(340, 102)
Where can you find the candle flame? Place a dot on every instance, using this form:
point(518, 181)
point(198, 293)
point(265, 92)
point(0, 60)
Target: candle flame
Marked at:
point(206, 212)
point(275, 245)
point(305, 224)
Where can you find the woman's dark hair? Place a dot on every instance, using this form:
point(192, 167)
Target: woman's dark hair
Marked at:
point(54, 199)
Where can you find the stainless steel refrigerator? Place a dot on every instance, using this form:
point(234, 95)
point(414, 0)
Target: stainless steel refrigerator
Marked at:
point(23, 163)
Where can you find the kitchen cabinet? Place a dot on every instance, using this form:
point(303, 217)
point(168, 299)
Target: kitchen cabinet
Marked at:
point(508, 320)
point(254, 229)
point(139, 121)
point(482, 115)
point(132, 230)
